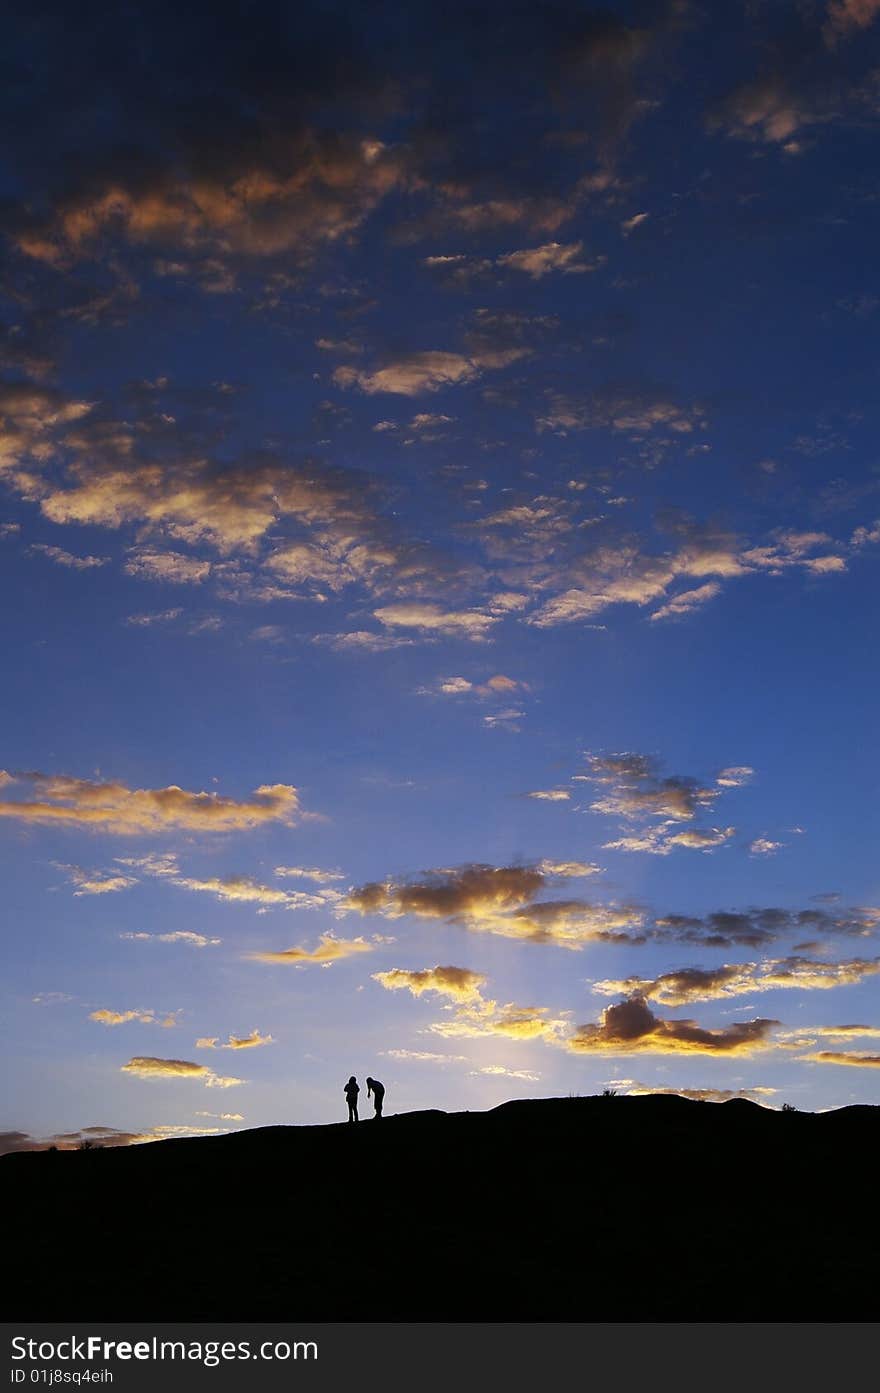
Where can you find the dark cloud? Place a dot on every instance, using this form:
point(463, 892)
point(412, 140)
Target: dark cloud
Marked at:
point(500, 900)
point(631, 1027)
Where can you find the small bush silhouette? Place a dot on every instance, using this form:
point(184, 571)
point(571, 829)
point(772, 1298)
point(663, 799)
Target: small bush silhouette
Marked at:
point(788, 1107)
point(88, 1145)
point(609, 1093)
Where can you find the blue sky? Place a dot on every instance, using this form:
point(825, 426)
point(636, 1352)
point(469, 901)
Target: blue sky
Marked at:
point(440, 538)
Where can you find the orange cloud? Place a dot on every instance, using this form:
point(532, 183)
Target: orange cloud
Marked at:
point(459, 983)
point(329, 950)
point(122, 811)
point(149, 1067)
point(631, 1027)
point(235, 1042)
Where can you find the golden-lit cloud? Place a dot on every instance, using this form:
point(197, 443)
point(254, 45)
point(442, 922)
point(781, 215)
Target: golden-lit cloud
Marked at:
point(106, 1017)
point(235, 1042)
point(569, 870)
point(690, 984)
point(329, 950)
point(113, 807)
point(855, 1061)
point(499, 900)
point(630, 1027)
point(412, 374)
point(458, 983)
point(536, 262)
point(172, 567)
point(756, 1094)
point(550, 795)
point(687, 601)
point(474, 624)
point(148, 1067)
point(511, 1022)
point(97, 882)
point(622, 574)
point(237, 206)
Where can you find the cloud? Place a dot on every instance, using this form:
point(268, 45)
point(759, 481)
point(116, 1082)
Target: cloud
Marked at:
point(511, 1022)
point(187, 936)
point(329, 950)
point(362, 641)
point(105, 1017)
point(568, 869)
point(235, 1042)
point(104, 1136)
point(763, 846)
point(553, 256)
point(755, 928)
point(636, 413)
point(171, 567)
point(635, 788)
point(67, 559)
point(630, 1027)
point(499, 900)
point(458, 983)
point(413, 374)
point(499, 1071)
point(682, 986)
point(735, 776)
point(702, 1095)
point(474, 624)
point(423, 1057)
point(630, 224)
point(855, 1061)
point(148, 1067)
point(114, 808)
point(498, 686)
point(146, 621)
point(659, 841)
point(97, 882)
point(550, 795)
point(687, 601)
point(623, 573)
point(847, 17)
point(308, 873)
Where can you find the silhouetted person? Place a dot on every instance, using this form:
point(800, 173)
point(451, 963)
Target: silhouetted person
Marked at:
point(378, 1091)
point(351, 1097)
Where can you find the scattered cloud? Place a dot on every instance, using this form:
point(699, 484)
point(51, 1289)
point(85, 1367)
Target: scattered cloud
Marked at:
point(187, 936)
point(683, 986)
point(630, 1027)
point(329, 950)
point(114, 808)
point(235, 1042)
point(67, 559)
point(105, 1017)
point(499, 900)
point(458, 983)
point(148, 1067)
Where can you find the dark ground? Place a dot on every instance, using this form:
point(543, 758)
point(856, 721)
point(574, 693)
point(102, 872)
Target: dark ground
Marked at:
point(594, 1209)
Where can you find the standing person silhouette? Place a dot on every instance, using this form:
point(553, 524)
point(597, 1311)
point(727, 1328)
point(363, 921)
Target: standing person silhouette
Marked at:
point(378, 1091)
point(351, 1097)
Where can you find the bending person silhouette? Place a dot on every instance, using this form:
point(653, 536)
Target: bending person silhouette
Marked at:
point(351, 1097)
point(378, 1091)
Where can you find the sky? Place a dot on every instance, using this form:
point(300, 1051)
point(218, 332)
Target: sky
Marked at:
point(439, 529)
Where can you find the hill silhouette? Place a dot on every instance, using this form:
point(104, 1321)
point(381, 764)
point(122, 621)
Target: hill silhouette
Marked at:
point(626, 1208)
